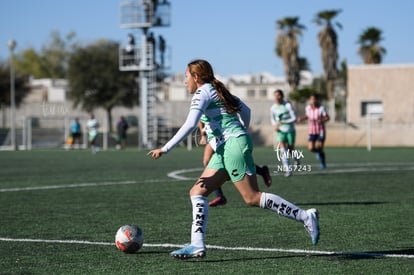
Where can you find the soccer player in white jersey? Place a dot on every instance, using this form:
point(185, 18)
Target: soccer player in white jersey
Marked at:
point(283, 119)
point(316, 116)
point(232, 157)
point(93, 126)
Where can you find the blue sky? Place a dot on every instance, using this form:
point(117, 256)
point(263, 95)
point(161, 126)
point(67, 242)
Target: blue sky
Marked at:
point(236, 36)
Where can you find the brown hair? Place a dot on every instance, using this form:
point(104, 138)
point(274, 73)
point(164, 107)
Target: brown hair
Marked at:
point(204, 71)
point(280, 92)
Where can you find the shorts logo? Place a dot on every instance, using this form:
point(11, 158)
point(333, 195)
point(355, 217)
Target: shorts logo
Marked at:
point(234, 173)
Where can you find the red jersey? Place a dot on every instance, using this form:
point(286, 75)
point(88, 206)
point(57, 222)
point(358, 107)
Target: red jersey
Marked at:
point(315, 115)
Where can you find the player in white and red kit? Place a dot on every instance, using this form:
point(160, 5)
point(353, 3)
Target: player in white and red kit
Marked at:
point(316, 116)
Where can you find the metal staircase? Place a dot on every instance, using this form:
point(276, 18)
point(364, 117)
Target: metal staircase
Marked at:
point(142, 15)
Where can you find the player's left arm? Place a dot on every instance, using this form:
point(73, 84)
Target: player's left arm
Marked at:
point(203, 134)
point(324, 115)
point(245, 114)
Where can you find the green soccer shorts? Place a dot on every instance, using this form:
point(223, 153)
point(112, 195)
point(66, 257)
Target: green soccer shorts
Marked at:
point(234, 156)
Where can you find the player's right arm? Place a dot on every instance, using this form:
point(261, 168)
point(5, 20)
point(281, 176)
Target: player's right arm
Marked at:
point(303, 118)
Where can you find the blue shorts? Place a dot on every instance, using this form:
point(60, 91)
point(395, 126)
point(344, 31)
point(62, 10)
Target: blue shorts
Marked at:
point(317, 137)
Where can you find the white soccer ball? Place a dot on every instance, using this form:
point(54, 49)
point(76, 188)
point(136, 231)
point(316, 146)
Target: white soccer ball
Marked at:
point(129, 238)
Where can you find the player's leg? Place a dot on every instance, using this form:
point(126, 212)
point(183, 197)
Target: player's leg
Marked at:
point(209, 181)
point(291, 138)
point(247, 188)
point(322, 156)
point(208, 152)
point(245, 182)
point(91, 139)
point(311, 143)
point(312, 146)
point(284, 152)
point(264, 172)
point(220, 199)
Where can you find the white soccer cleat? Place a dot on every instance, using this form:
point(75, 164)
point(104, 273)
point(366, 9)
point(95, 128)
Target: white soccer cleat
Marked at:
point(189, 251)
point(312, 224)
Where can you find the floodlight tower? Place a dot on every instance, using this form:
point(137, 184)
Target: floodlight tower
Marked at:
point(141, 15)
point(12, 45)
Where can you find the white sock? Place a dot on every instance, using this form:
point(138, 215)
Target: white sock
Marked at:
point(200, 217)
point(282, 207)
point(285, 158)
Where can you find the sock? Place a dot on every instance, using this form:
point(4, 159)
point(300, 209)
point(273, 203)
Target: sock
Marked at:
point(259, 170)
point(219, 192)
point(282, 207)
point(322, 156)
point(285, 159)
point(200, 217)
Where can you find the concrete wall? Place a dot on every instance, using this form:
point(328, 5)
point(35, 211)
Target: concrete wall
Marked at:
point(393, 85)
point(338, 134)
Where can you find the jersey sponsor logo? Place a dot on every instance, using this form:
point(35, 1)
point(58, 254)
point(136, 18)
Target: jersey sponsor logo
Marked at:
point(234, 173)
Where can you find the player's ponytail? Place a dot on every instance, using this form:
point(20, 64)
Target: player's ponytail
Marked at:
point(204, 71)
point(230, 102)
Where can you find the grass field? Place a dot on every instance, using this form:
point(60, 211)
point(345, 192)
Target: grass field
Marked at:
point(59, 211)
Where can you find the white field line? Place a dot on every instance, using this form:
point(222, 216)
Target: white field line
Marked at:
point(178, 175)
point(217, 247)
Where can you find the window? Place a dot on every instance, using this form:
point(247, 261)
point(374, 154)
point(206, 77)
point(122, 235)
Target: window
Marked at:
point(263, 93)
point(250, 93)
point(374, 107)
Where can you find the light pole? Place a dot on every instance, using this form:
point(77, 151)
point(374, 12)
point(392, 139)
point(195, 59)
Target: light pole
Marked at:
point(12, 45)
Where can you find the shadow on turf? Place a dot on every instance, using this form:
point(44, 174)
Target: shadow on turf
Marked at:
point(344, 203)
point(338, 256)
point(204, 260)
point(153, 252)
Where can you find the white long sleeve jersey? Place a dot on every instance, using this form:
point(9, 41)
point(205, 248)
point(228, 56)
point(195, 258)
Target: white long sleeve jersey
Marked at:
point(221, 124)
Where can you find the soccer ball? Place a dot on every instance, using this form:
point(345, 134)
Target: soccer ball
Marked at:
point(129, 238)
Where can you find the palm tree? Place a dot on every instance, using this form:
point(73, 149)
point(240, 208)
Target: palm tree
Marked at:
point(328, 41)
point(370, 50)
point(287, 48)
point(304, 64)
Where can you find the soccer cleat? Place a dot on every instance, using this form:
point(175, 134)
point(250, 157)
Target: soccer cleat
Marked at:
point(312, 224)
point(266, 176)
point(323, 165)
point(188, 252)
point(220, 200)
point(288, 174)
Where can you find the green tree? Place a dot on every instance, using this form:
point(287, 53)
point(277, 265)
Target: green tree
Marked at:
point(328, 41)
point(369, 48)
point(343, 72)
point(303, 94)
point(20, 82)
point(31, 63)
point(287, 48)
point(51, 61)
point(95, 80)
